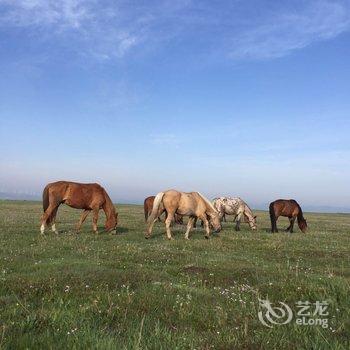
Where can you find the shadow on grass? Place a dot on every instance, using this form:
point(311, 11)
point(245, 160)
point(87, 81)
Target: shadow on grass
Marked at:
point(121, 230)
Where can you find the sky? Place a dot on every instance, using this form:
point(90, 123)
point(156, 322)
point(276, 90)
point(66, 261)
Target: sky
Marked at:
point(239, 98)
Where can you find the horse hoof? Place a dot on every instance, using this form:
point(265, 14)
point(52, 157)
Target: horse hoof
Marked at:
point(206, 237)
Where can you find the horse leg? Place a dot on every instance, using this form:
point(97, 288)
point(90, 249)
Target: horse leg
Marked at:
point(292, 220)
point(82, 219)
point(290, 224)
point(150, 228)
point(168, 221)
point(160, 214)
point(53, 221)
point(95, 219)
point(205, 223)
point(157, 218)
point(238, 221)
point(179, 219)
point(189, 226)
point(195, 222)
point(222, 215)
point(47, 216)
point(275, 229)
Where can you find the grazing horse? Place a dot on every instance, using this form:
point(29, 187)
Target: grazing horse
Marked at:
point(148, 205)
point(191, 204)
point(289, 208)
point(89, 197)
point(238, 208)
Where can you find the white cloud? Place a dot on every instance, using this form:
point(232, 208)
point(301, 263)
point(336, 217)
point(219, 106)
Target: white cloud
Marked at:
point(63, 13)
point(165, 139)
point(238, 30)
point(319, 20)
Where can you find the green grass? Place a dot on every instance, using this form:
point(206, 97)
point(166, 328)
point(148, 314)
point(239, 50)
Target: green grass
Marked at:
point(124, 292)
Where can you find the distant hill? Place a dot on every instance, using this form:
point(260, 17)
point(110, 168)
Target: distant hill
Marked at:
point(310, 208)
point(19, 196)
point(264, 206)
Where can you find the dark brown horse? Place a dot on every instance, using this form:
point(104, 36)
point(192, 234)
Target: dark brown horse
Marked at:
point(89, 197)
point(289, 208)
point(148, 205)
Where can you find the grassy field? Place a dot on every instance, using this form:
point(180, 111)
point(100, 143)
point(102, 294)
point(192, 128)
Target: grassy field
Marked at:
point(124, 292)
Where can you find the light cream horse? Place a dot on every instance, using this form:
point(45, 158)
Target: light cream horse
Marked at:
point(191, 204)
point(237, 207)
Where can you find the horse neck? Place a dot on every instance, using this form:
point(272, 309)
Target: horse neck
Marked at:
point(248, 212)
point(216, 204)
point(209, 207)
point(108, 207)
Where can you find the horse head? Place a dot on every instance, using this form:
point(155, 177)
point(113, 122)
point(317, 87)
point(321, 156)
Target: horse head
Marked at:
point(215, 222)
point(303, 225)
point(112, 223)
point(252, 223)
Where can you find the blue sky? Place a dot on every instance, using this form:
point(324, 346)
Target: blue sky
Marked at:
point(247, 98)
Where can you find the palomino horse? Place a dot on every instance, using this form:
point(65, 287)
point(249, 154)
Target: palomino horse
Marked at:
point(238, 208)
point(289, 208)
point(89, 197)
point(191, 204)
point(148, 205)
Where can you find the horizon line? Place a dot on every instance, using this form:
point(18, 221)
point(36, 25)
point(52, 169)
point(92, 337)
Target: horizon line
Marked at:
point(309, 208)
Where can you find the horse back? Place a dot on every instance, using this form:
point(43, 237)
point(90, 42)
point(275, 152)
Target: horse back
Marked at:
point(184, 203)
point(285, 207)
point(77, 195)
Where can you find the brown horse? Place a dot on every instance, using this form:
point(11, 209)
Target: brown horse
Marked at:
point(148, 205)
point(289, 208)
point(89, 197)
point(191, 204)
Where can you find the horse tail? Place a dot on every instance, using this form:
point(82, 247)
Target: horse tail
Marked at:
point(46, 202)
point(145, 208)
point(300, 217)
point(272, 215)
point(155, 209)
point(46, 198)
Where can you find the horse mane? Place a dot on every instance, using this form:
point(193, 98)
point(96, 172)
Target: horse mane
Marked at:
point(247, 208)
point(109, 204)
point(210, 205)
point(300, 217)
